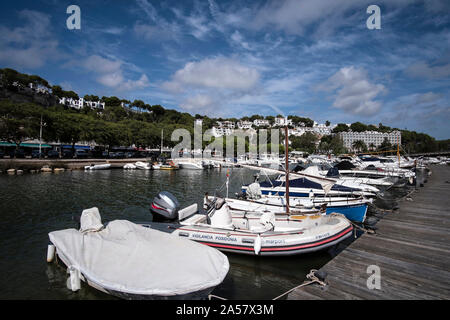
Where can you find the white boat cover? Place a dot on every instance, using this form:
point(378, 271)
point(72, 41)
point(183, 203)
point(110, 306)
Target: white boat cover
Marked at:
point(133, 259)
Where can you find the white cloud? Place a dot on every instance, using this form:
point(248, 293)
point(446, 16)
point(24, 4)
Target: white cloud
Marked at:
point(109, 72)
point(31, 45)
point(219, 73)
point(424, 70)
point(212, 84)
point(354, 93)
point(199, 102)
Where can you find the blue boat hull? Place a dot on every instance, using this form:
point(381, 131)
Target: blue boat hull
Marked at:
point(355, 213)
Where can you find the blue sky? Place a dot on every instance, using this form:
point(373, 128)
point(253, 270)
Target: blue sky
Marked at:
point(310, 58)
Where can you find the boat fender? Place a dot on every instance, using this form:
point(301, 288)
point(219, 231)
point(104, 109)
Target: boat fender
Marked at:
point(50, 252)
point(73, 282)
point(257, 244)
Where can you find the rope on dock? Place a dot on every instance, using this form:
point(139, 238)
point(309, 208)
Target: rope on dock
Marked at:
point(370, 231)
point(312, 279)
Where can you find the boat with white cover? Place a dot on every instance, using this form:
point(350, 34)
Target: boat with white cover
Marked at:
point(225, 230)
point(129, 166)
point(143, 165)
point(98, 166)
point(132, 261)
point(192, 165)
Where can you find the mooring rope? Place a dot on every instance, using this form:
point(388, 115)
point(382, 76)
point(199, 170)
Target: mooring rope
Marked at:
point(312, 279)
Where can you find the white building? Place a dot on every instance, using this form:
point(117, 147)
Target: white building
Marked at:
point(261, 123)
point(221, 131)
point(80, 103)
point(244, 125)
point(226, 124)
point(282, 122)
point(370, 137)
point(322, 129)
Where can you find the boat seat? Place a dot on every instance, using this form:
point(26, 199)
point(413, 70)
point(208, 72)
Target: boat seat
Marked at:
point(188, 211)
point(195, 219)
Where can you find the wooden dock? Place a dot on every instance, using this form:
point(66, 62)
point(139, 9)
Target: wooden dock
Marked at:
point(411, 248)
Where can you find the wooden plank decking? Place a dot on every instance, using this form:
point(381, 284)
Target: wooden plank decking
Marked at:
point(411, 247)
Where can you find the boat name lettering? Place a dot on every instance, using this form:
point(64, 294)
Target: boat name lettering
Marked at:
point(202, 236)
point(272, 241)
point(320, 236)
point(224, 238)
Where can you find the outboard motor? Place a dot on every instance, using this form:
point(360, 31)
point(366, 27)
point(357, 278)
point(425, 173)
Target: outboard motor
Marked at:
point(165, 207)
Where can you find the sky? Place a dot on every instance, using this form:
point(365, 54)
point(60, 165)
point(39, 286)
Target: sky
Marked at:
point(310, 58)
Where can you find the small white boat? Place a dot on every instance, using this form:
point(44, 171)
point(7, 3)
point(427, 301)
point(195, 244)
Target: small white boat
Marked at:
point(134, 262)
point(190, 165)
point(143, 165)
point(241, 233)
point(98, 167)
point(129, 166)
point(156, 166)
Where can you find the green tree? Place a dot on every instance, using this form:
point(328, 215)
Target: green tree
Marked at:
point(359, 145)
point(340, 127)
point(305, 142)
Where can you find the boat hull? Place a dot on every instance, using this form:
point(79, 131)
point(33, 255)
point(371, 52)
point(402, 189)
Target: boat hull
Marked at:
point(272, 244)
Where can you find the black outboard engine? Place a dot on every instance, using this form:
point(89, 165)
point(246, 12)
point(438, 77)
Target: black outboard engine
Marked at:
point(165, 207)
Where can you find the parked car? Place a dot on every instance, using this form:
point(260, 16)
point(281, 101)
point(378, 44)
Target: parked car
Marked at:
point(17, 154)
point(53, 154)
point(81, 154)
point(35, 154)
point(117, 155)
point(67, 154)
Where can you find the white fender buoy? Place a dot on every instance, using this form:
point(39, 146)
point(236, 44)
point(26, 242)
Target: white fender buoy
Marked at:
point(257, 245)
point(50, 252)
point(73, 282)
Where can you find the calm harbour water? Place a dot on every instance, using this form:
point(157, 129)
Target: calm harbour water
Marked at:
point(32, 205)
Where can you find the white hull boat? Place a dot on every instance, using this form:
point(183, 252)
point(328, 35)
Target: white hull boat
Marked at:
point(98, 167)
point(190, 165)
point(134, 262)
point(353, 209)
point(267, 234)
point(143, 165)
point(129, 166)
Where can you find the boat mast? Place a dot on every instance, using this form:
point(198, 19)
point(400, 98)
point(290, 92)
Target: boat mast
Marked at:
point(286, 162)
point(162, 134)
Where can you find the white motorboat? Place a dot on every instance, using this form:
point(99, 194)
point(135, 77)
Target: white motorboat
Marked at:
point(351, 183)
point(143, 165)
point(98, 167)
point(267, 234)
point(192, 165)
point(156, 166)
point(134, 262)
point(129, 166)
point(353, 209)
